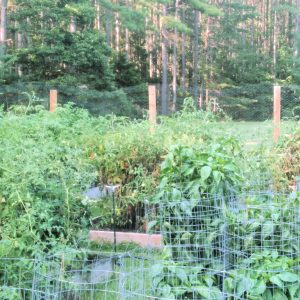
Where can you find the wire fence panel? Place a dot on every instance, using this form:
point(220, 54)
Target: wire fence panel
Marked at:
point(245, 246)
point(16, 277)
point(79, 275)
point(263, 247)
point(248, 102)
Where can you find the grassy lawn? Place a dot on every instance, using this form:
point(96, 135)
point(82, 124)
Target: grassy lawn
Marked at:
point(254, 133)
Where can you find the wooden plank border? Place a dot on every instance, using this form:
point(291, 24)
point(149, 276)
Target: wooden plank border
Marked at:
point(141, 239)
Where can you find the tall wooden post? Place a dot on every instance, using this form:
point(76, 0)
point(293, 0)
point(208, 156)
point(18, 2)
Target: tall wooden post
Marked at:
point(152, 106)
point(277, 112)
point(53, 100)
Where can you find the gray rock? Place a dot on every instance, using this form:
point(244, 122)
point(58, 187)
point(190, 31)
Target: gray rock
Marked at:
point(95, 193)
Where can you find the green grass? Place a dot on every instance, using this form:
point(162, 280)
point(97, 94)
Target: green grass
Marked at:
point(253, 133)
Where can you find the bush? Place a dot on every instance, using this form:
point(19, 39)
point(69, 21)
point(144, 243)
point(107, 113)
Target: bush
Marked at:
point(42, 177)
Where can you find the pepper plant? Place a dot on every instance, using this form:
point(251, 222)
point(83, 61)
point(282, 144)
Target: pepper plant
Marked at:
point(191, 220)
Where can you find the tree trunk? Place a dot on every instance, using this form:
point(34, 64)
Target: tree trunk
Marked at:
point(164, 54)
point(297, 27)
point(196, 55)
point(3, 28)
point(73, 25)
point(19, 45)
point(174, 83)
point(275, 44)
point(108, 27)
point(207, 61)
point(158, 39)
point(127, 48)
point(97, 24)
point(117, 33)
point(183, 56)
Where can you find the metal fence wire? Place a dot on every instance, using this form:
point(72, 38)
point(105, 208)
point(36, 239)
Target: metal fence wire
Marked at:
point(248, 102)
point(237, 247)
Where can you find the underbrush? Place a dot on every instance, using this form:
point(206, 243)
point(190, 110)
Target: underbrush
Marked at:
point(48, 160)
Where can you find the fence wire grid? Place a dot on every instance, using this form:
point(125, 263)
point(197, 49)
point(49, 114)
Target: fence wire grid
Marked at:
point(248, 102)
point(237, 247)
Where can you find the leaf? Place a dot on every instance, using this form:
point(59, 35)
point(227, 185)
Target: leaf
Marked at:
point(293, 289)
point(189, 171)
point(288, 277)
point(166, 291)
point(217, 176)
point(244, 285)
point(208, 280)
point(228, 285)
point(156, 270)
point(211, 293)
point(216, 294)
point(259, 288)
point(185, 206)
point(157, 280)
point(267, 229)
point(5, 247)
point(204, 291)
point(212, 236)
point(267, 295)
point(186, 236)
point(151, 225)
point(163, 183)
point(180, 273)
point(205, 172)
point(279, 295)
point(277, 281)
point(230, 167)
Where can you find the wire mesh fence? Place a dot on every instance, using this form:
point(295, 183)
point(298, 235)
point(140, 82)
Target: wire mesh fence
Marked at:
point(248, 102)
point(78, 275)
point(16, 278)
point(244, 246)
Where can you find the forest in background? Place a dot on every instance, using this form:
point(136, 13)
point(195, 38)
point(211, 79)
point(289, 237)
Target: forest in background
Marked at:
point(103, 53)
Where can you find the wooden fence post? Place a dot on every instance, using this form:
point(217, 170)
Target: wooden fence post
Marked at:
point(152, 106)
point(277, 112)
point(53, 100)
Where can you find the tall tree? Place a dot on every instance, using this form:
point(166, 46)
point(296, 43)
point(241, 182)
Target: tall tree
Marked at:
point(165, 58)
point(297, 29)
point(174, 69)
point(3, 27)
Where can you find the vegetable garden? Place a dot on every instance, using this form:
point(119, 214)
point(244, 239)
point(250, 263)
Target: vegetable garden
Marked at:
point(229, 219)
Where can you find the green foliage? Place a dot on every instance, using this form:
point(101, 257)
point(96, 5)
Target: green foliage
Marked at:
point(266, 234)
point(81, 54)
point(42, 177)
point(203, 6)
point(190, 172)
point(260, 278)
point(188, 176)
point(53, 51)
point(98, 103)
point(172, 23)
point(178, 282)
point(122, 151)
point(126, 73)
point(288, 150)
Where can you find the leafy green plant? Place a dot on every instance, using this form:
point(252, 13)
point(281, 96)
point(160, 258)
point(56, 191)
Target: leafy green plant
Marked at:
point(42, 177)
point(177, 281)
point(191, 171)
point(265, 275)
point(264, 222)
point(191, 218)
